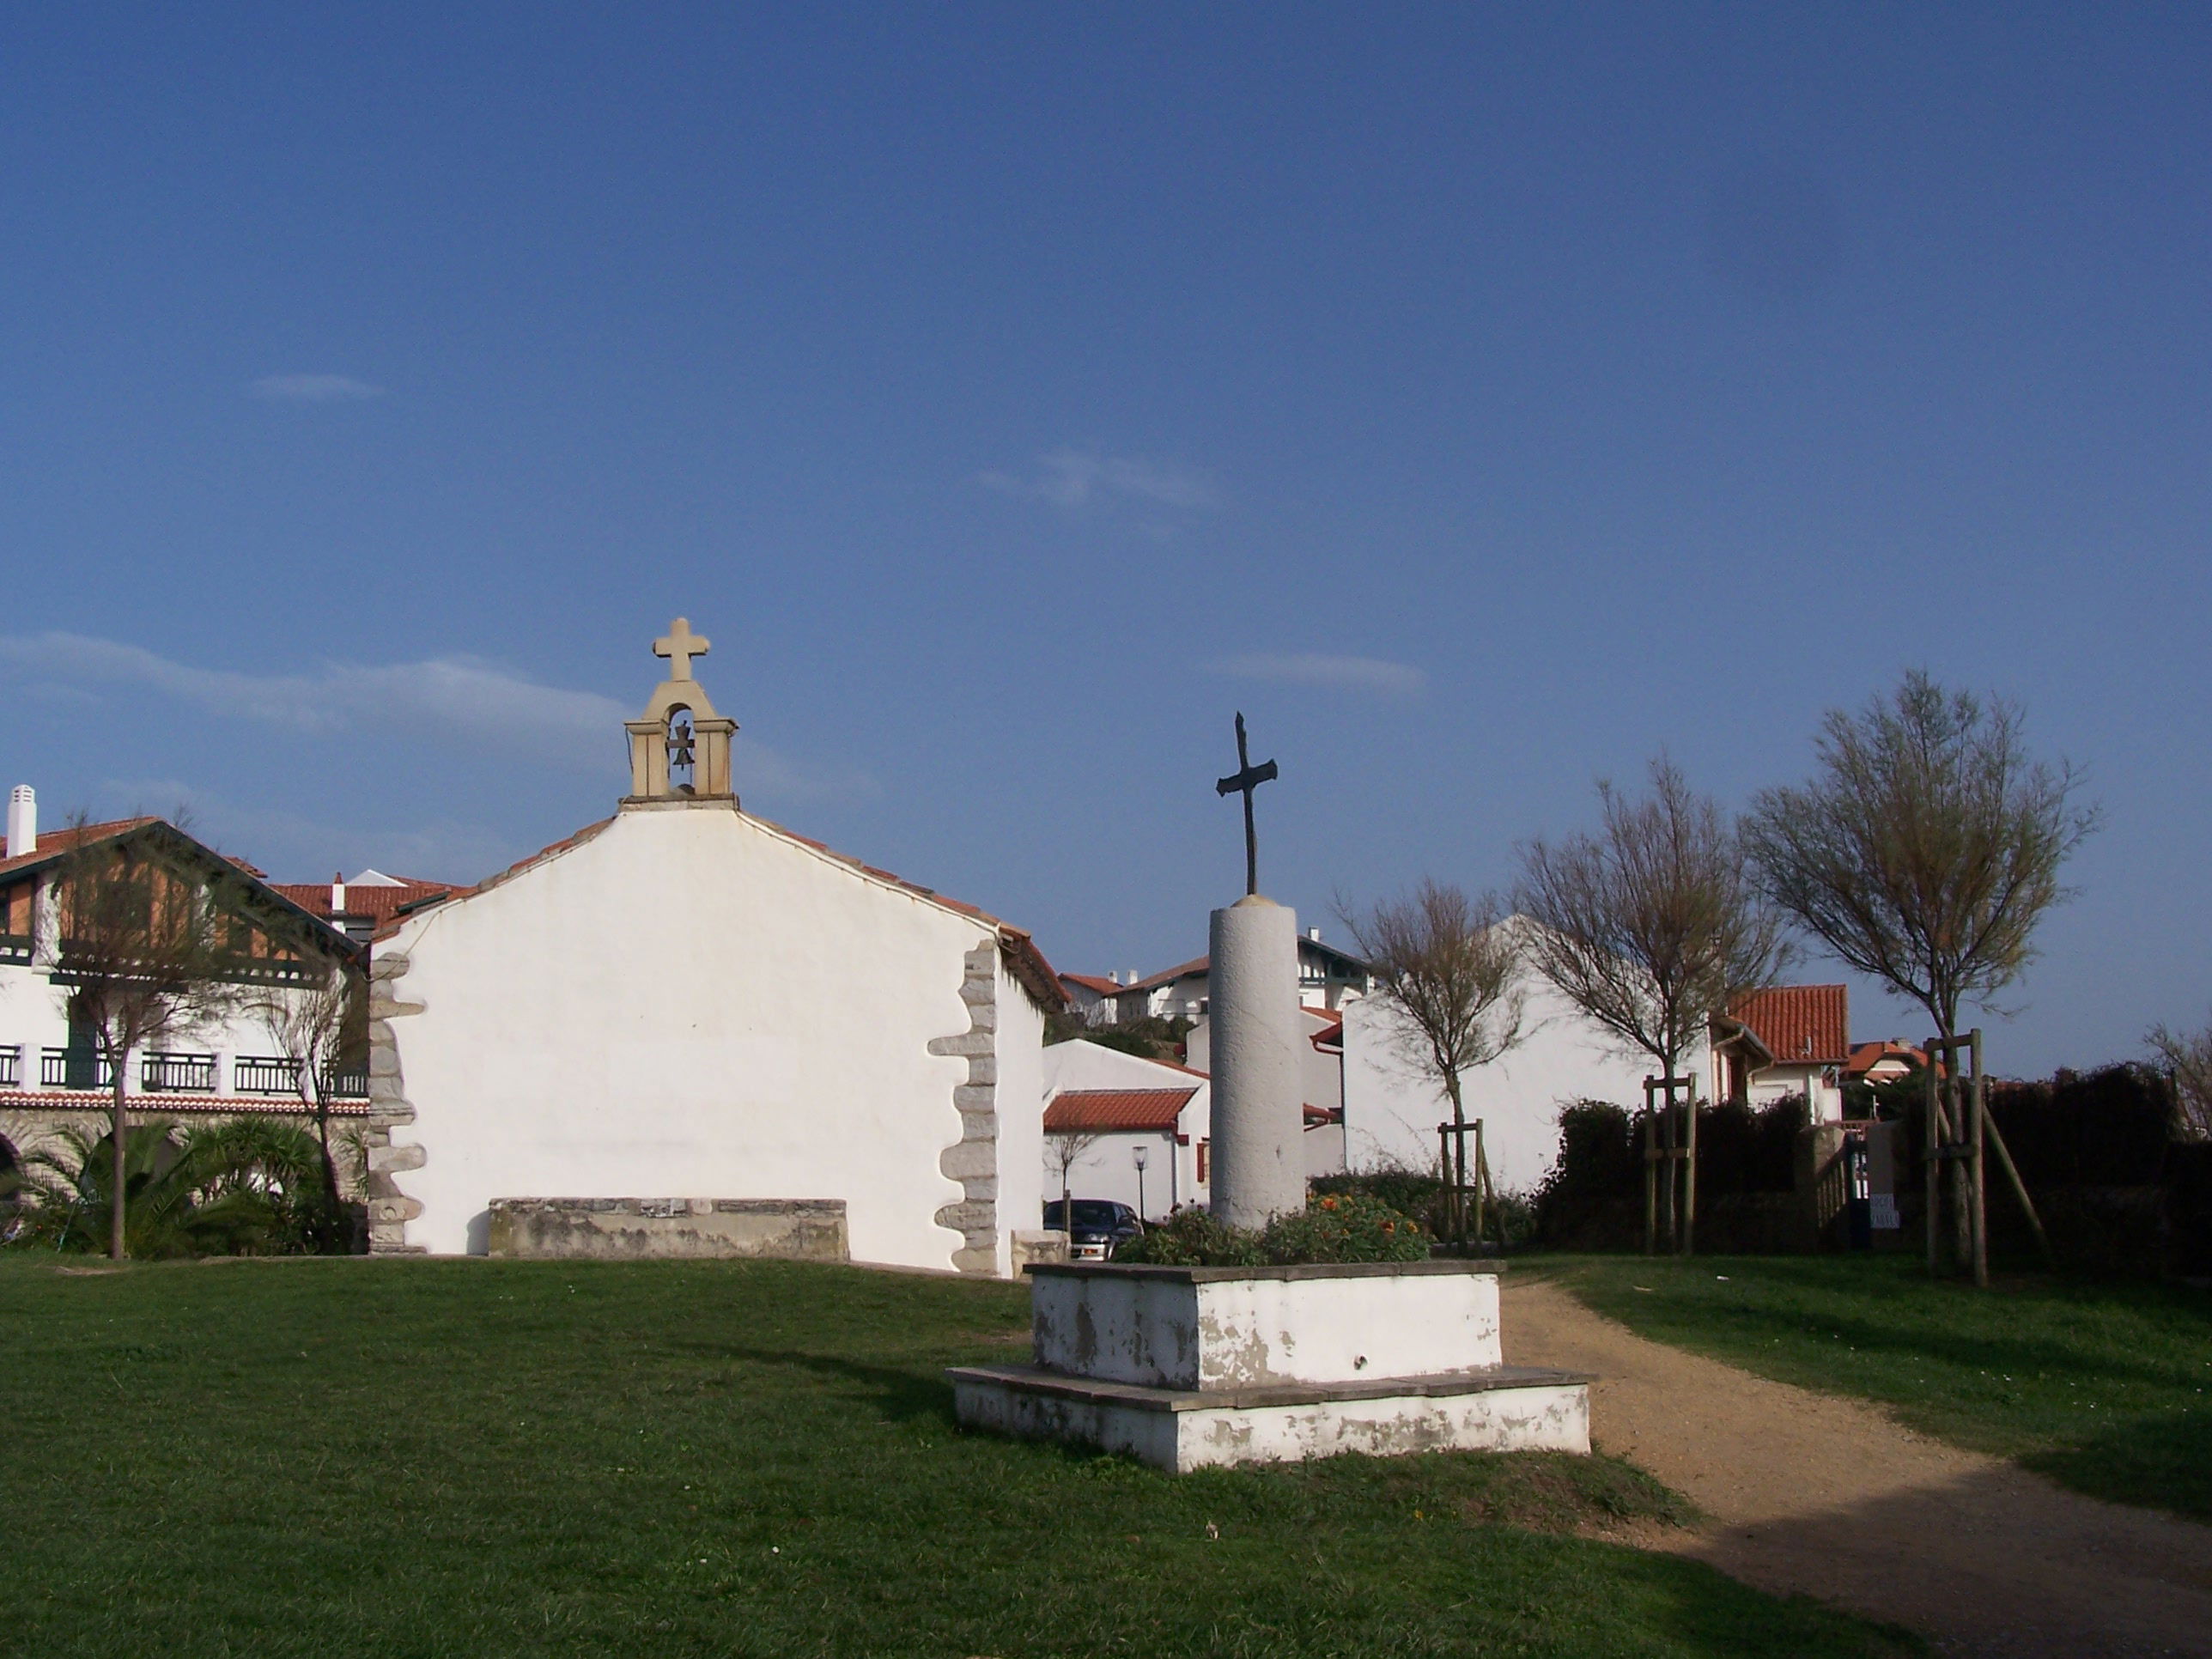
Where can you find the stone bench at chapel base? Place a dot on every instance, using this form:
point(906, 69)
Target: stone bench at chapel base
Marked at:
point(667, 1229)
point(1185, 1368)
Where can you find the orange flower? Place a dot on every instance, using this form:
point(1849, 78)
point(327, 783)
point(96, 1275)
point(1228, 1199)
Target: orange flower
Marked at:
point(1328, 1203)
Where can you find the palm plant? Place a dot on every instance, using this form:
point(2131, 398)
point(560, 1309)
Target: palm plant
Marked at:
point(249, 1187)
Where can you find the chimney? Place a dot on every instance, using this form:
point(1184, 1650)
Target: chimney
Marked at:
point(337, 894)
point(22, 820)
point(1313, 933)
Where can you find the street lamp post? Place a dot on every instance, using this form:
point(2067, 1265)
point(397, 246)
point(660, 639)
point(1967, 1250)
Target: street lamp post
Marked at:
point(1138, 1153)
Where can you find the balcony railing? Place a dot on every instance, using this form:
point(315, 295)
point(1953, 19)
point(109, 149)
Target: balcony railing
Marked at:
point(276, 1074)
point(11, 1068)
point(75, 1068)
point(265, 1075)
point(172, 1074)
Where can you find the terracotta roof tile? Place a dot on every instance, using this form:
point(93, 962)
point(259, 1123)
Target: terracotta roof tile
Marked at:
point(1077, 1111)
point(1800, 1024)
point(1168, 975)
point(1865, 1056)
point(54, 843)
point(1105, 987)
point(143, 1106)
point(379, 903)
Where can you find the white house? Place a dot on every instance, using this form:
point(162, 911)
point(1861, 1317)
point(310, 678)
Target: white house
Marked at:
point(1327, 978)
point(1321, 1073)
point(52, 1075)
point(1105, 1107)
point(1090, 996)
point(1392, 1110)
point(687, 1002)
point(1787, 1040)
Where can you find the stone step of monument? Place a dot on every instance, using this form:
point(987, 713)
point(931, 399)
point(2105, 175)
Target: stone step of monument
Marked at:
point(1492, 1408)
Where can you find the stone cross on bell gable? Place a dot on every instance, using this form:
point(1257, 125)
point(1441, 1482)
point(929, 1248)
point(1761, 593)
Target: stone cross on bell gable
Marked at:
point(679, 645)
point(679, 747)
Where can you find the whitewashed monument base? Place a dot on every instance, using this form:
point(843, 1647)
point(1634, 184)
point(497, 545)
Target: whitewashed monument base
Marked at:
point(1186, 1368)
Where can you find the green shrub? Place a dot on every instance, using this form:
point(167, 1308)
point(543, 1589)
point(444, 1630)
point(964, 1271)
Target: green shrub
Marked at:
point(1191, 1237)
point(1345, 1227)
point(1336, 1227)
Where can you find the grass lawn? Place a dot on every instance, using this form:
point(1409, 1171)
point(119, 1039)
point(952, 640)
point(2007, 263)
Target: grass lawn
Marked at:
point(472, 1457)
point(2107, 1387)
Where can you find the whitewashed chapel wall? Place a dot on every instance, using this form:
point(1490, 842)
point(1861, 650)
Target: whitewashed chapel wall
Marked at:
point(693, 1004)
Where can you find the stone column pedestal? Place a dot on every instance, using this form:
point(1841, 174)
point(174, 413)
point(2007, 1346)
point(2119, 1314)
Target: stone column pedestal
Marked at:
point(1259, 1106)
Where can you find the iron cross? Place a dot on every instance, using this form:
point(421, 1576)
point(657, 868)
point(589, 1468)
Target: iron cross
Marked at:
point(1248, 777)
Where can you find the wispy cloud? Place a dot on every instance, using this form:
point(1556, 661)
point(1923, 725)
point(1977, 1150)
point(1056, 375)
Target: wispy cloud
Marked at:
point(313, 389)
point(463, 700)
point(462, 696)
point(1074, 478)
point(293, 844)
point(1345, 673)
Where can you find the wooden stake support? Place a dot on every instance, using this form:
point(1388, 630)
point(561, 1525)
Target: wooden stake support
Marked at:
point(1678, 1156)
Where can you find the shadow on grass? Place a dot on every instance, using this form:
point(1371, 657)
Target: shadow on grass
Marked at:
point(904, 1396)
point(2164, 1460)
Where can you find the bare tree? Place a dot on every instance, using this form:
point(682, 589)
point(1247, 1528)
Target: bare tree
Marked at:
point(2187, 1058)
point(1448, 969)
point(317, 1027)
point(1065, 1149)
point(1923, 851)
point(139, 962)
point(1651, 927)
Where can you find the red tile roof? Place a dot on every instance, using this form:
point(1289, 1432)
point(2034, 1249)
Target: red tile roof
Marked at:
point(1104, 987)
point(1318, 1115)
point(52, 844)
point(379, 903)
point(1865, 1056)
point(1800, 1024)
point(144, 1106)
point(1166, 975)
point(1077, 1111)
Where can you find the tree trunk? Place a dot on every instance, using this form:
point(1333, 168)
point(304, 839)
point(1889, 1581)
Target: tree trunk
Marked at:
point(1455, 1167)
point(119, 1123)
point(1690, 1173)
point(330, 1165)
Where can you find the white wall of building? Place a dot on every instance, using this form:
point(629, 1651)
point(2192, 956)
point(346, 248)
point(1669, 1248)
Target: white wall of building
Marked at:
point(1391, 1110)
point(693, 1003)
point(1824, 1095)
point(1108, 1169)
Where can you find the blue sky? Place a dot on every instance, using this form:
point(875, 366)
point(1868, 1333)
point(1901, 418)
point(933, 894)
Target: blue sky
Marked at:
point(1480, 399)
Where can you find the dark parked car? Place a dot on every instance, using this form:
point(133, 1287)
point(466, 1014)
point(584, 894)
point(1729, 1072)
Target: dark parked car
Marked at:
point(1101, 1227)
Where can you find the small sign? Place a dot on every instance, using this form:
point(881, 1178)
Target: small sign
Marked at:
point(1884, 1208)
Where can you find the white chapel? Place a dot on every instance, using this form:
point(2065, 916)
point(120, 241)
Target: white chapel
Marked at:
point(685, 1010)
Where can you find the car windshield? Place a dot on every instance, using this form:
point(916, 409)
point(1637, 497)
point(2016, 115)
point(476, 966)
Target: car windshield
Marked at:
point(1089, 1213)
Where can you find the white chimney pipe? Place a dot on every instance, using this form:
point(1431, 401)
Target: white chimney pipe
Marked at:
point(1313, 933)
point(337, 894)
point(22, 820)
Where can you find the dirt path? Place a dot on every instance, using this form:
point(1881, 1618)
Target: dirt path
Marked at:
point(1832, 1498)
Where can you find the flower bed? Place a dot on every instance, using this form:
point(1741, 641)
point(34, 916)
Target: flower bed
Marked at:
point(1335, 1228)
